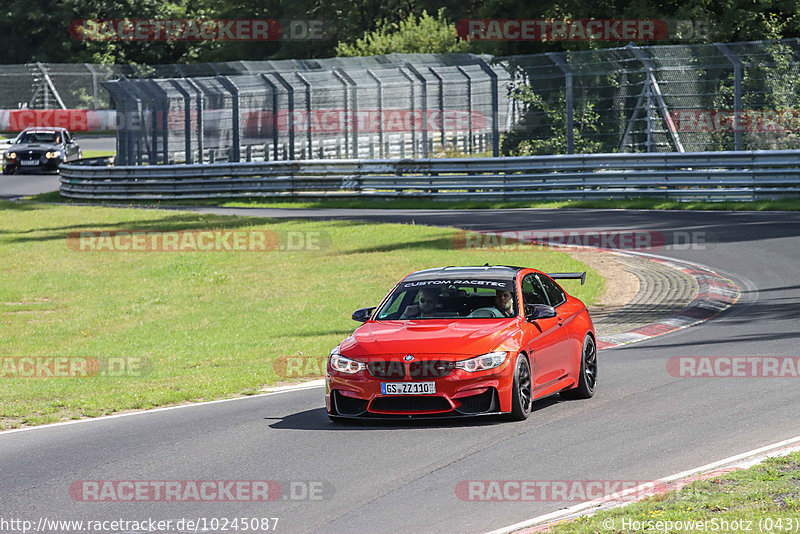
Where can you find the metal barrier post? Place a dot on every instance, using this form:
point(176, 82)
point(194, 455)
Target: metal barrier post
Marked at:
point(352, 116)
point(554, 57)
point(156, 97)
point(380, 111)
point(656, 90)
point(424, 95)
point(495, 107)
point(469, 109)
point(737, 93)
point(200, 126)
point(441, 106)
point(309, 135)
point(234, 91)
point(274, 89)
point(187, 119)
point(413, 110)
point(290, 97)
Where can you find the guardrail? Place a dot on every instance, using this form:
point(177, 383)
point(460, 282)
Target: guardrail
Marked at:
point(684, 176)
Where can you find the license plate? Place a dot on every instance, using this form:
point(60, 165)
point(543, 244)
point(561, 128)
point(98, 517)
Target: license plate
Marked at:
point(408, 388)
point(30, 162)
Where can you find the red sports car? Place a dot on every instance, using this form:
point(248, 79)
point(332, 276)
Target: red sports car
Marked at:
point(464, 341)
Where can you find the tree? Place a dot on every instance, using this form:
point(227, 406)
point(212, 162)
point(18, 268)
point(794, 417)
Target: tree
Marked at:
point(424, 35)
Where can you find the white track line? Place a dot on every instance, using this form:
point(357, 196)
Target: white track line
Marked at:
point(313, 384)
point(744, 460)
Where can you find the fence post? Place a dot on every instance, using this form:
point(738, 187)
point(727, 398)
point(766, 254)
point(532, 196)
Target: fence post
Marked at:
point(554, 57)
point(200, 126)
point(380, 110)
point(274, 89)
point(290, 123)
point(46, 79)
point(737, 93)
point(649, 114)
point(424, 121)
point(90, 67)
point(187, 119)
point(441, 106)
point(309, 135)
point(413, 109)
point(234, 91)
point(125, 99)
point(656, 90)
point(350, 82)
point(495, 107)
point(157, 97)
point(469, 108)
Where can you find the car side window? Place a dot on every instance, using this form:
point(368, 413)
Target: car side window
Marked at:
point(554, 293)
point(66, 138)
point(532, 292)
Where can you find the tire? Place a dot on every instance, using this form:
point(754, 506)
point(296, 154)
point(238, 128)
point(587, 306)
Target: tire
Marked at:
point(522, 393)
point(8, 170)
point(588, 378)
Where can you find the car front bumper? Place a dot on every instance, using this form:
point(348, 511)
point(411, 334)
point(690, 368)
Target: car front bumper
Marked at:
point(458, 394)
point(41, 165)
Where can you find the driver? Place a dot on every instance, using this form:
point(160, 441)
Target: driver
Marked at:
point(426, 307)
point(504, 302)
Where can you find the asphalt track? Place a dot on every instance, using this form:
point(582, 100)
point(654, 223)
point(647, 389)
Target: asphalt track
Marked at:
point(17, 185)
point(643, 424)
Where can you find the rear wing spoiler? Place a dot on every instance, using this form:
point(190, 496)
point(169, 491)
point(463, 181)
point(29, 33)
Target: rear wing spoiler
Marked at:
point(569, 276)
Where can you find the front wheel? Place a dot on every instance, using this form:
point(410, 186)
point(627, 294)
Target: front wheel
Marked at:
point(8, 170)
point(522, 394)
point(588, 378)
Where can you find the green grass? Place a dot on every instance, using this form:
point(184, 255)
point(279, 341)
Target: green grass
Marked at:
point(789, 204)
point(207, 323)
point(770, 490)
point(98, 153)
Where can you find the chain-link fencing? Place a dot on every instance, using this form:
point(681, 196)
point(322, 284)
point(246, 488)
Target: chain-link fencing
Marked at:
point(401, 105)
point(674, 98)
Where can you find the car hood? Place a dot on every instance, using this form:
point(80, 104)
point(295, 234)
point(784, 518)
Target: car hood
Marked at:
point(431, 336)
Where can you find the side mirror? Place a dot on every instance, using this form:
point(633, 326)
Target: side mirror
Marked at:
point(539, 311)
point(362, 314)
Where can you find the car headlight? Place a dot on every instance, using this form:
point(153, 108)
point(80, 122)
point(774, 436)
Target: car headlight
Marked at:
point(345, 365)
point(482, 362)
point(11, 155)
point(54, 154)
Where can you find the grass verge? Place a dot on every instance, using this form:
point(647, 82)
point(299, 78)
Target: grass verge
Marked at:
point(764, 498)
point(98, 153)
point(206, 324)
point(789, 204)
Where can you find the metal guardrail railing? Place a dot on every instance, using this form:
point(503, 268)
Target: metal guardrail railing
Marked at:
point(685, 176)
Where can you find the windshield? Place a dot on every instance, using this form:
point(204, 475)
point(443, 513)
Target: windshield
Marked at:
point(451, 299)
point(39, 137)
